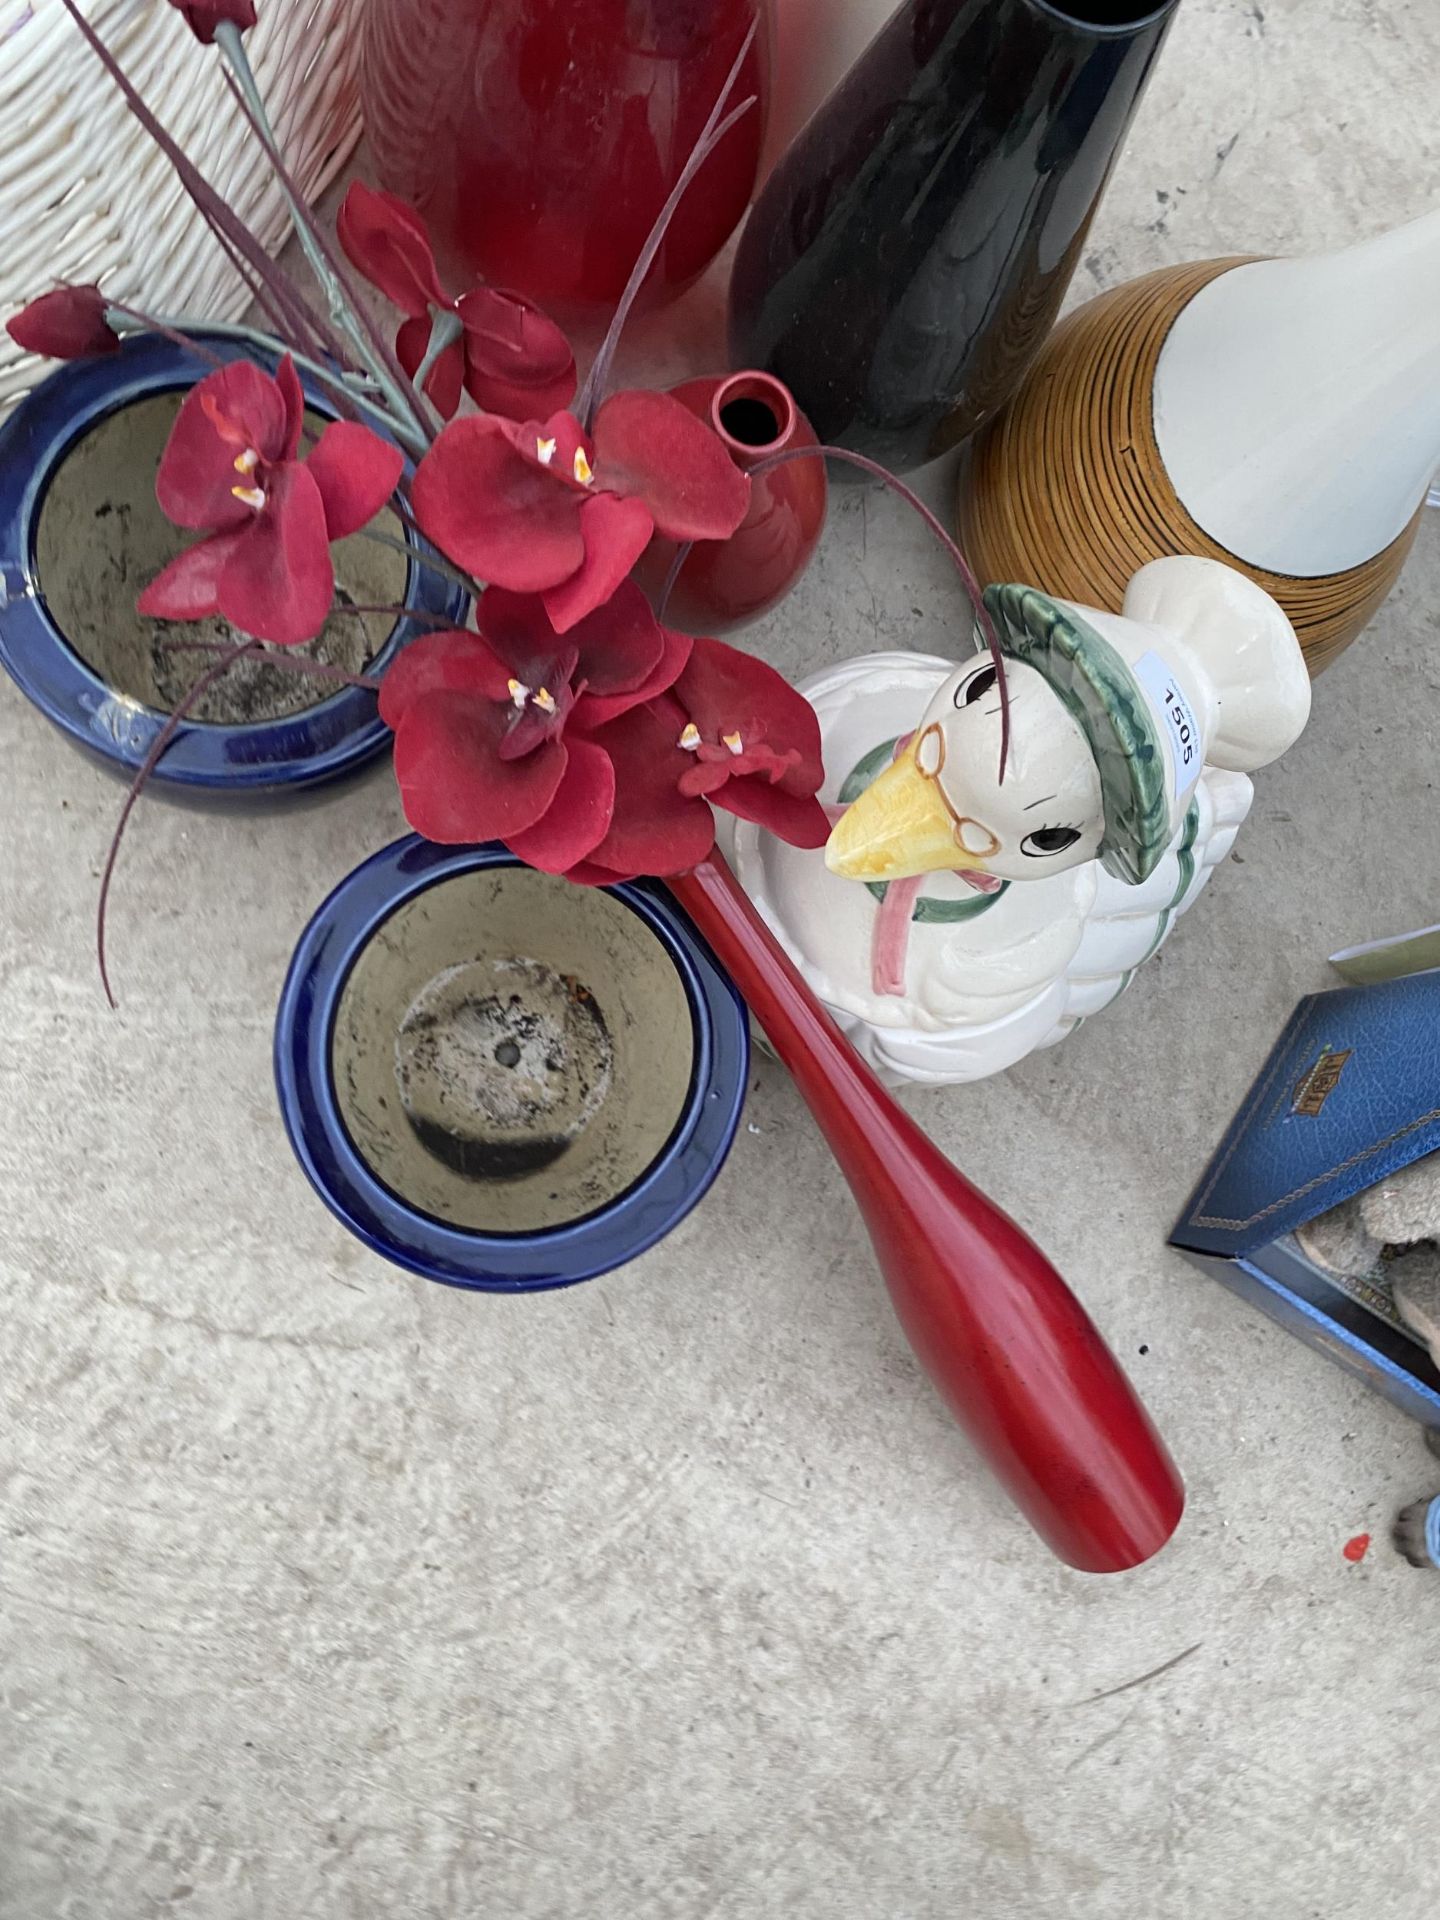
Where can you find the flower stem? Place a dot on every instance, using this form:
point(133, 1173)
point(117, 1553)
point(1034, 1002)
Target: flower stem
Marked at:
point(414, 433)
point(961, 564)
point(135, 320)
point(434, 561)
point(445, 329)
point(122, 319)
point(292, 662)
point(682, 554)
point(711, 134)
point(281, 298)
point(175, 720)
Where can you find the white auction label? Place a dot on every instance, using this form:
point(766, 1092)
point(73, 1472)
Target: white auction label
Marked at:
point(1187, 743)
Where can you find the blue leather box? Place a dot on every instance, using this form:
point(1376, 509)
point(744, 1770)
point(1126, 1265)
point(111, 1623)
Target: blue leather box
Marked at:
point(1349, 1095)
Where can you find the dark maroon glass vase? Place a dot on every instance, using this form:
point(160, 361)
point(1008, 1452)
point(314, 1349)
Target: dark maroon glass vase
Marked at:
point(540, 138)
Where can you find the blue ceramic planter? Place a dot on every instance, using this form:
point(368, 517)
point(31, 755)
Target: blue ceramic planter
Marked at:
point(309, 1061)
point(259, 761)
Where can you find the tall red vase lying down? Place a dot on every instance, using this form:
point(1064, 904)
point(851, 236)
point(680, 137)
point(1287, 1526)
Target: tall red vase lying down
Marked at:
point(1010, 1348)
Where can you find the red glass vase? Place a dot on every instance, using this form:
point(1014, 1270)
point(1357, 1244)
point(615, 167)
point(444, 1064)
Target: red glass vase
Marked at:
point(540, 138)
point(726, 583)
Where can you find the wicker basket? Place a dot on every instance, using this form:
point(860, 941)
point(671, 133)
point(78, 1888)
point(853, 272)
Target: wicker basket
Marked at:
point(85, 196)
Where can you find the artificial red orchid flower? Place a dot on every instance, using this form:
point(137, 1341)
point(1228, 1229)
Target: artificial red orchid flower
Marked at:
point(204, 16)
point(510, 357)
point(755, 743)
point(230, 468)
point(492, 729)
point(654, 828)
point(731, 731)
point(543, 508)
point(66, 324)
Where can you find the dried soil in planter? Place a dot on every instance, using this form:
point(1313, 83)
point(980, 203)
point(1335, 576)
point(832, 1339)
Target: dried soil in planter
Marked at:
point(102, 537)
point(511, 1052)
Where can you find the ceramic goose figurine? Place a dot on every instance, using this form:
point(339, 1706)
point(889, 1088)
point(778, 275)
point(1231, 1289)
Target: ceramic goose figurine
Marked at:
point(990, 917)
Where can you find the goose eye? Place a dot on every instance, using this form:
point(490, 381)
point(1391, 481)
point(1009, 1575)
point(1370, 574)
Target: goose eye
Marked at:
point(1047, 840)
point(976, 687)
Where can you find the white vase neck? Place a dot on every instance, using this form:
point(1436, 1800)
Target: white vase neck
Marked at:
point(1297, 402)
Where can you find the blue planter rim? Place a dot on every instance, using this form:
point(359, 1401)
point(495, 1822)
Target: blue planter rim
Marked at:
point(322, 742)
point(625, 1227)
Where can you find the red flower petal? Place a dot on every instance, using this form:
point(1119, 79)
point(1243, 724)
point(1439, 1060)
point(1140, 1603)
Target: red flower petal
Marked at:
point(493, 319)
point(595, 710)
point(237, 407)
point(587, 873)
point(503, 517)
point(800, 820)
point(620, 644)
point(453, 785)
point(278, 582)
point(517, 361)
point(618, 649)
point(518, 629)
point(451, 662)
point(615, 533)
point(711, 768)
point(252, 408)
point(531, 724)
point(204, 16)
point(67, 324)
point(654, 828)
point(387, 241)
point(553, 444)
point(651, 448)
point(726, 690)
point(189, 588)
point(292, 396)
point(411, 340)
point(356, 472)
point(497, 392)
point(443, 382)
point(577, 819)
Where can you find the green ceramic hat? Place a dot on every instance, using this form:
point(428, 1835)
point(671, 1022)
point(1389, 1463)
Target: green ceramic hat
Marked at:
point(1099, 689)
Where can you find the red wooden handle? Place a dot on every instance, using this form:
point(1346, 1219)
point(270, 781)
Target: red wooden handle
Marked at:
point(1014, 1353)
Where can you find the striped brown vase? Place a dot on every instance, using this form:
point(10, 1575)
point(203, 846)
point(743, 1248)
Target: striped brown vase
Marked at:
point(1069, 490)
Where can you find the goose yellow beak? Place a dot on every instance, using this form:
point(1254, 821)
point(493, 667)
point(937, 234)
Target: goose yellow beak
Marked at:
point(900, 826)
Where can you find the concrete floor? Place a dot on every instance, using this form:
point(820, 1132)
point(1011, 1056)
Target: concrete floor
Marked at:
point(332, 1595)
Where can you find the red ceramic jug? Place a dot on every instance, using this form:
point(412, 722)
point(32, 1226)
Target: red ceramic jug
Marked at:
point(540, 138)
point(725, 583)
